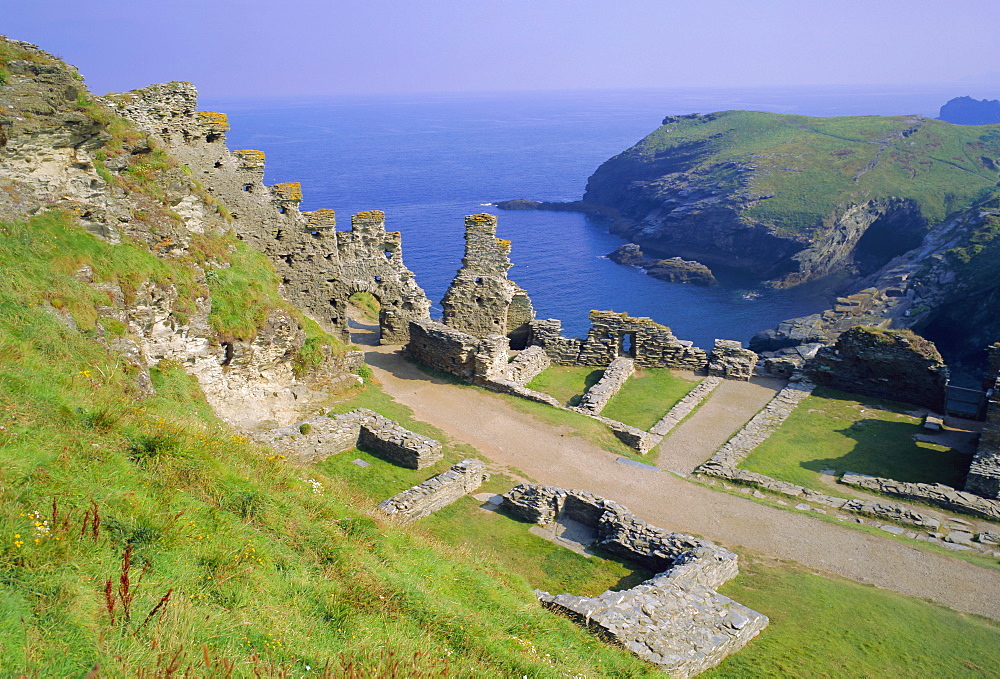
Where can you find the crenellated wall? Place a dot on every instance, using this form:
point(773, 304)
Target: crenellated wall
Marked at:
point(320, 267)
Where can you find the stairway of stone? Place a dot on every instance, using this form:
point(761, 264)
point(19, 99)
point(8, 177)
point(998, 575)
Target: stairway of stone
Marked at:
point(725, 412)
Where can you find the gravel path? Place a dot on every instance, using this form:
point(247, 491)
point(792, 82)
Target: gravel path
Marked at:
point(726, 410)
point(548, 455)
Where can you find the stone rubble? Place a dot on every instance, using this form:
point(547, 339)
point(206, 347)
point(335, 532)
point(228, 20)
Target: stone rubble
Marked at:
point(731, 361)
point(318, 438)
point(675, 619)
point(436, 492)
point(984, 472)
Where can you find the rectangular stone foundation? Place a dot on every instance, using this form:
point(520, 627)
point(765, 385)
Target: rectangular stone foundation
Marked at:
point(436, 492)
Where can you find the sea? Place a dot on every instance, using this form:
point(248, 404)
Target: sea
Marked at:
point(427, 160)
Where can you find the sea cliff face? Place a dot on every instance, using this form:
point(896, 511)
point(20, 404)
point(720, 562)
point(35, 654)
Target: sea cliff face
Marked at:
point(793, 198)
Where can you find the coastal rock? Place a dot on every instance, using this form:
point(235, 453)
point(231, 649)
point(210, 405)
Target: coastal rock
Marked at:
point(672, 270)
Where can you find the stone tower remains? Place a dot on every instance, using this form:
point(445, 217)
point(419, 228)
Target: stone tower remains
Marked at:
point(482, 301)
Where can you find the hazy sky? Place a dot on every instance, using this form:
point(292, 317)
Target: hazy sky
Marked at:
point(280, 47)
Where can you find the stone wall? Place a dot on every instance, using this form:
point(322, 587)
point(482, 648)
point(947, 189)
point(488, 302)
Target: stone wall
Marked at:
point(612, 335)
point(984, 472)
point(933, 493)
point(686, 406)
point(481, 300)
point(675, 619)
point(611, 382)
point(317, 438)
point(455, 352)
point(527, 365)
point(892, 364)
point(320, 267)
point(731, 361)
point(436, 492)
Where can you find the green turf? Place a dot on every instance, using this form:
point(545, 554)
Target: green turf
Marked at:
point(647, 396)
point(825, 626)
point(809, 166)
point(839, 431)
point(567, 383)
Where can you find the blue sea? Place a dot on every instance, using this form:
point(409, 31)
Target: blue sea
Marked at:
point(429, 160)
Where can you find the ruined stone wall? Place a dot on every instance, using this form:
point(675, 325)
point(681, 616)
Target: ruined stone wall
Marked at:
point(984, 472)
point(436, 492)
point(481, 300)
point(320, 267)
point(612, 335)
point(317, 438)
point(891, 364)
point(455, 352)
point(527, 365)
point(615, 375)
point(675, 619)
point(731, 361)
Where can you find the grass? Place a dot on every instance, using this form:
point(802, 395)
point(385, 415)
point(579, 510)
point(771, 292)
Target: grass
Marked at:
point(566, 383)
point(825, 626)
point(236, 560)
point(647, 396)
point(814, 165)
point(366, 302)
point(834, 430)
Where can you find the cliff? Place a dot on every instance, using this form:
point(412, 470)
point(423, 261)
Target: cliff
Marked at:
point(115, 235)
point(793, 198)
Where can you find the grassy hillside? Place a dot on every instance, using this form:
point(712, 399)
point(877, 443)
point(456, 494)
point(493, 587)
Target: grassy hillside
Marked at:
point(140, 534)
point(813, 165)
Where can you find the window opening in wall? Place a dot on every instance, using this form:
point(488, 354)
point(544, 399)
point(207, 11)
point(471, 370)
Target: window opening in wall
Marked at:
point(278, 235)
point(247, 187)
point(210, 138)
point(479, 280)
point(165, 132)
point(479, 301)
point(218, 164)
point(628, 344)
point(378, 279)
point(388, 254)
point(282, 210)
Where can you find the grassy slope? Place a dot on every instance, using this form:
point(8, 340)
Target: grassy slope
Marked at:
point(263, 572)
point(810, 164)
point(834, 430)
point(647, 396)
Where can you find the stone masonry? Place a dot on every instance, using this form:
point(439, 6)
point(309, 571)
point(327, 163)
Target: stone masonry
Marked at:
point(318, 438)
point(675, 619)
point(455, 352)
point(481, 300)
point(612, 335)
point(527, 365)
point(320, 267)
point(984, 472)
point(731, 361)
point(892, 364)
point(933, 493)
point(436, 492)
point(614, 378)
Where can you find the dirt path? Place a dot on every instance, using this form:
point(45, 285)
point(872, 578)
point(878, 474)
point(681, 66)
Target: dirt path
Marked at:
point(510, 437)
point(727, 409)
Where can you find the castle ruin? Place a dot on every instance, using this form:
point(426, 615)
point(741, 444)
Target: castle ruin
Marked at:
point(320, 267)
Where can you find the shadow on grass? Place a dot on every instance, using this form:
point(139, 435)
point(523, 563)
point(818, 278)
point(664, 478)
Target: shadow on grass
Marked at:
point(590, 380)
point(887, 449)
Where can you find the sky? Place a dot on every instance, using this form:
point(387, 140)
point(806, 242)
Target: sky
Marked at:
point(255, 48)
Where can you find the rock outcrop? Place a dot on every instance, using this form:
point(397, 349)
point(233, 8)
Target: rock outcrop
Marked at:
point(672, 270)
point(969, 111)
point(891, 364)
point(130, 181)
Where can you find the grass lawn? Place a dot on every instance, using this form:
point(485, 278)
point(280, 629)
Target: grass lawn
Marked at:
point(647, 396)
point(825, 626)
point(566, 382)
point(835, 430)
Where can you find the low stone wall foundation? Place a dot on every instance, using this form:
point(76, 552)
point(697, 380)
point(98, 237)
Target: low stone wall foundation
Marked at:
point(436, 492)
point(675, 619)
point(614, 378)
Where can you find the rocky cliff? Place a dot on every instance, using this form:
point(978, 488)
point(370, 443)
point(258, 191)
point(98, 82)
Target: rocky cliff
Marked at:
point(162, 274)
point(794, 198)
